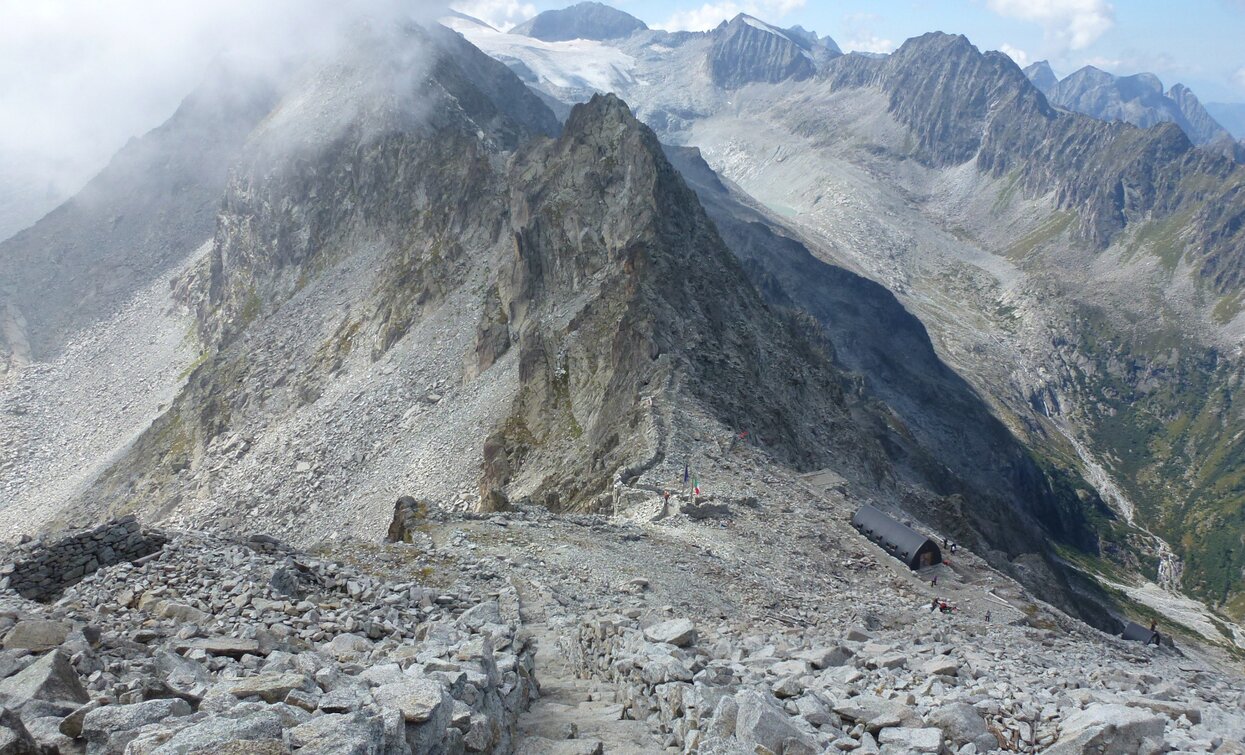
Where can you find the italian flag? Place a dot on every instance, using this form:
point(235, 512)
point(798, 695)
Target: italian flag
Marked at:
point(695, 487)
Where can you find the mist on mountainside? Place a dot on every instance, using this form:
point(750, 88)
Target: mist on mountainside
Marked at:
point(79, 80)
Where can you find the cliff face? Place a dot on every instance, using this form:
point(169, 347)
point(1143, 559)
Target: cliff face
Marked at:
point(396, 124)
point(1042, 76)
point(614, 300)
point(747, 51)
point(976, 479)
point(147, 211)
point(962, 105)
point(372, 194)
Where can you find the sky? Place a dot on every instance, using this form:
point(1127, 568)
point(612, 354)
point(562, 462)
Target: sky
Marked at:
point(78, 78)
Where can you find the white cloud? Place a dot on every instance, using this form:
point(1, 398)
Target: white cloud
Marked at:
point(869, 43)
point(1239, 77)
point(1074, 24)
point(500, 14)
point(859, 35)
point(710, 15)
point(80, 77)
point(1015, 53)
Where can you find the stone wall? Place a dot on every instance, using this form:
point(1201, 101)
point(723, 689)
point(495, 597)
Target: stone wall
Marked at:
point(654, 680)
point(42, 570)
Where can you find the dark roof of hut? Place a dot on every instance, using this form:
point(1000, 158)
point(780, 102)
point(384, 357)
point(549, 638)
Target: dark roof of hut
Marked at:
point(879, 526)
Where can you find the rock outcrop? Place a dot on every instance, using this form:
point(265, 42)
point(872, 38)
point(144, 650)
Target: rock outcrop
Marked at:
point(963, 105)
point(605, 225)
point(746, 50)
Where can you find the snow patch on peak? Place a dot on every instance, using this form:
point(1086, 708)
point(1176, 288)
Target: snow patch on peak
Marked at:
point(757, 23)
point(578, 65)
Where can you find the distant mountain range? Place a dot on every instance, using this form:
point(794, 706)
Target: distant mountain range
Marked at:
point(1138, 99)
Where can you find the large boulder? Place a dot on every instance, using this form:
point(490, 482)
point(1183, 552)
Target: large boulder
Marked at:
point(340, 733)
point(36, 635)
point(51, 678)
point(14, 739)
point(760, 722)
point(273, 687)
point(185, 678)
point(108, 729)
point(409, 515)
point(909, 740)
point(1110, 729)
point(677, 632)
point(215, 733)
point(962, 724)
point(420, 699)
point(877, 713)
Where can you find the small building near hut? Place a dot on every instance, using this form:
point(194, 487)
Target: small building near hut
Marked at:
point(898, 539)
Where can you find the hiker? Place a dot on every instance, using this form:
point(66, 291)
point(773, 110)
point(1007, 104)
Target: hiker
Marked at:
point(933, 605)
point(934, 582)
point(944, 542)
point(987, 616)
point(665, 494)
point(953, 548)
point(1155, 638)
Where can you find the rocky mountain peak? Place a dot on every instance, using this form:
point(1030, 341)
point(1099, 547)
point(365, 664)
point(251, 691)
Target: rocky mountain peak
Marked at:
point(587, 20)
point(1042, 76)
point(746, 50)
point(611, 247)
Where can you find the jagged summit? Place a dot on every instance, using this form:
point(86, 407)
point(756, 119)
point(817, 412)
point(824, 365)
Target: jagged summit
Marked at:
point(588, 20)
point(659, 285)
point(1138, 99)
point(1042, 76)
point(810, 41)
point(746, 50)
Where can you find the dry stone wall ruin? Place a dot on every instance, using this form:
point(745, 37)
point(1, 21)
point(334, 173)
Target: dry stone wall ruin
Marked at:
point(41, 571)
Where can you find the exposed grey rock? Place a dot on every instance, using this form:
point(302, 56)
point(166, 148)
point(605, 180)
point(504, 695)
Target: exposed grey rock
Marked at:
point(1111, 730)
point(51, 678)
point(272, 687)
point(962, 724)
point(14, 738)
point(419, 699)
point(900, 739)
point(36, 635)
point(760, 722)
point(108, 729)
point(677, 632)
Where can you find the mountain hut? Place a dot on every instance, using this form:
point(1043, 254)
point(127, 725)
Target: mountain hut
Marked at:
point(897, 539)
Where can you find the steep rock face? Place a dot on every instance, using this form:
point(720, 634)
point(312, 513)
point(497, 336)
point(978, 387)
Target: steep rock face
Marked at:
point(963, 105)
point(373, 192)
point(581, 21)
point(747, 51)
point(154, 203)
point(1202, 126)
point(1137, 99)
point(1042, 76)
point(809, 40)
point(620, 289)
point(940, 433)
point(390, 98)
